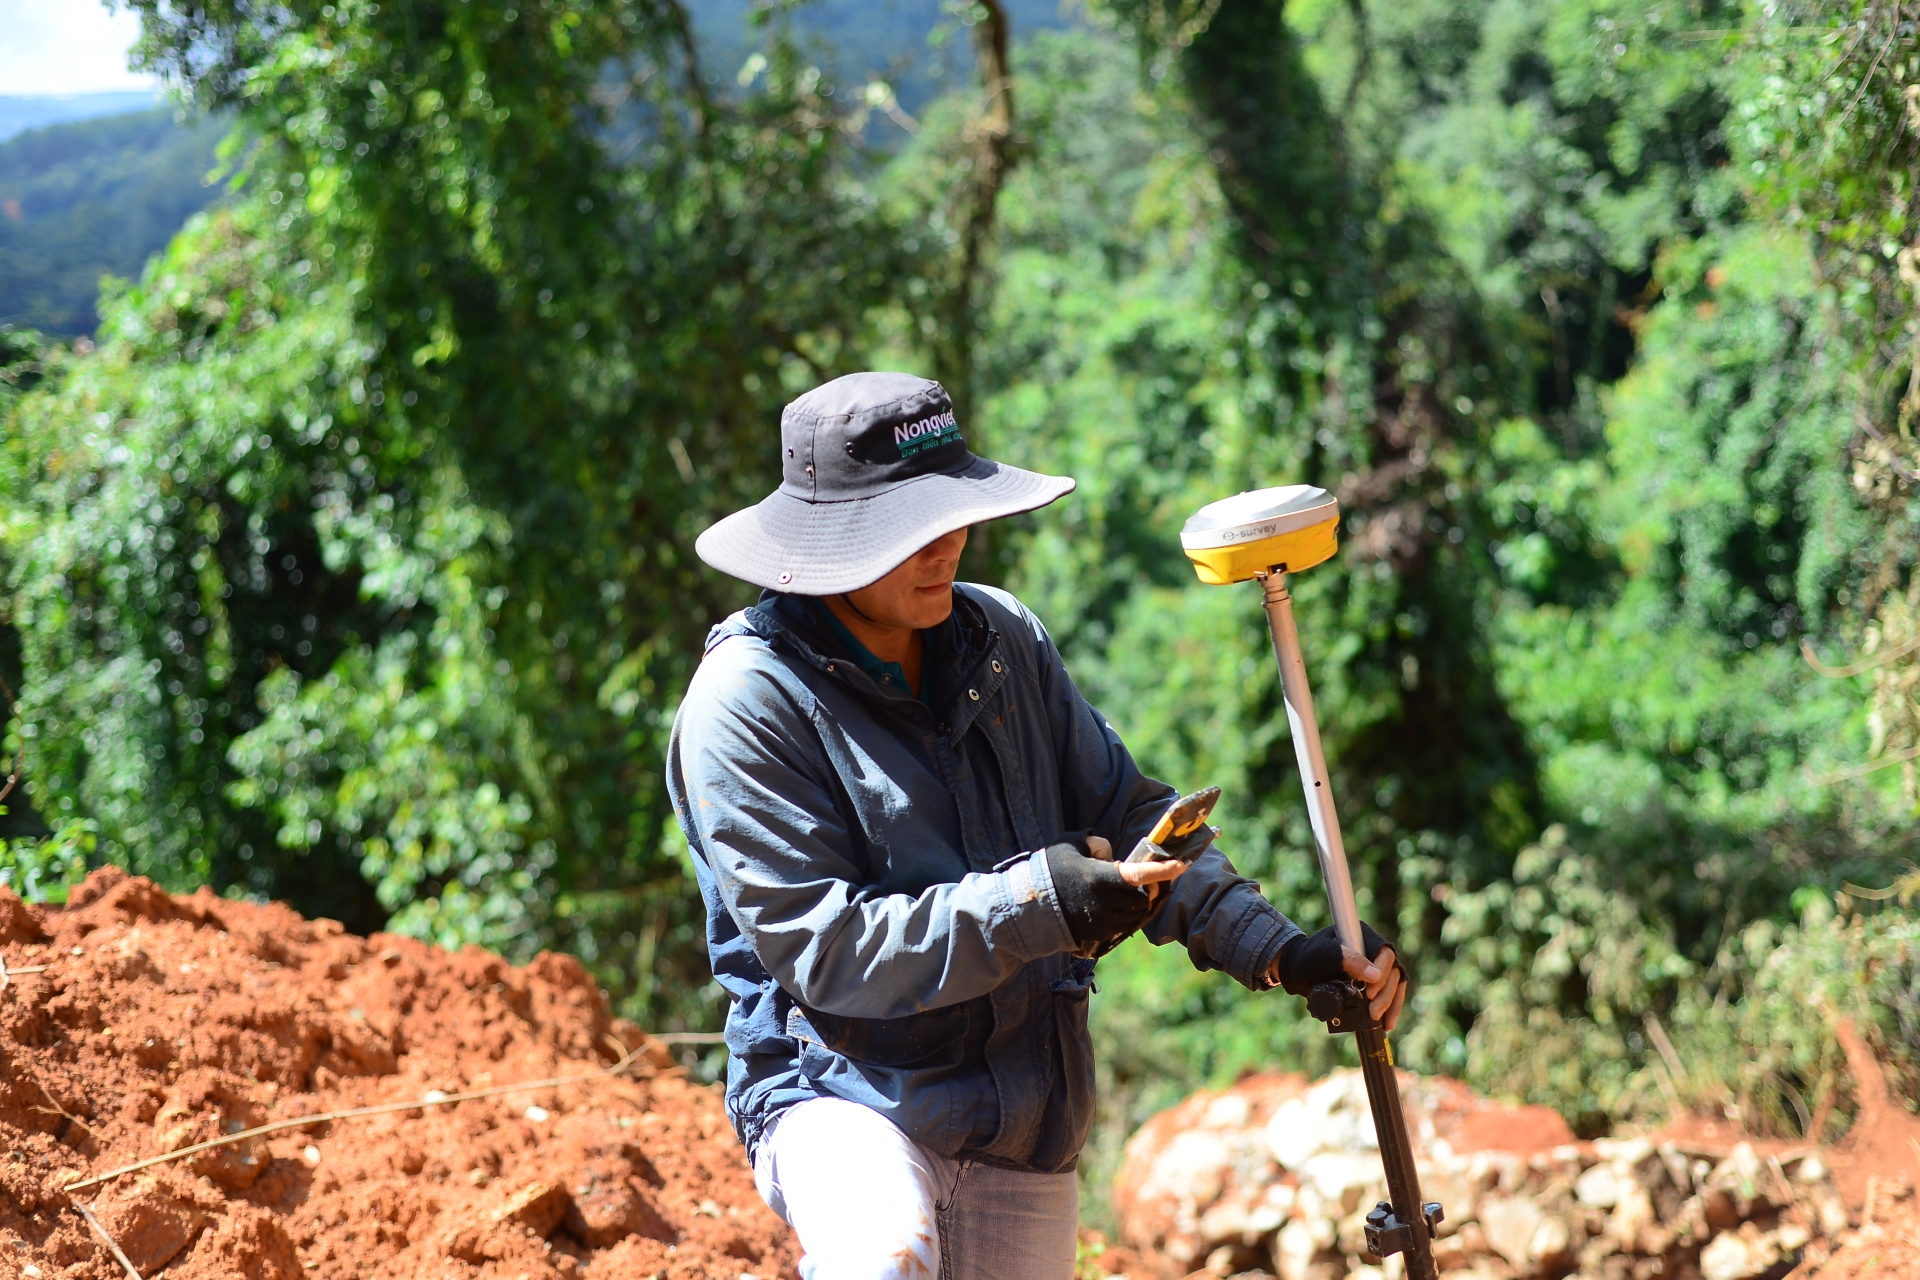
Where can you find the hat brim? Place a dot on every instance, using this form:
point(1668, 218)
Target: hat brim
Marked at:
point(823, 548)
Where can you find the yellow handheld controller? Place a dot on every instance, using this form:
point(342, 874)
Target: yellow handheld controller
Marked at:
point(1182, 818)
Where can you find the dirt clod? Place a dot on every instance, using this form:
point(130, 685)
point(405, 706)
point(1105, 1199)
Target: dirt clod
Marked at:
point(152, 1219)
point(164, 1021)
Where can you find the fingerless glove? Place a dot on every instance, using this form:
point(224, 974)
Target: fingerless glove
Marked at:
point(1098, 904)
point(1308, 961)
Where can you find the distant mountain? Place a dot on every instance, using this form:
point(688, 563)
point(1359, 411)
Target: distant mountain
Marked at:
point(100, 193)
point(93, 198)
point(18, 114)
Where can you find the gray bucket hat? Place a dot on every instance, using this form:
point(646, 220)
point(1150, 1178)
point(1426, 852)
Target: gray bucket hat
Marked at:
point(873, 468)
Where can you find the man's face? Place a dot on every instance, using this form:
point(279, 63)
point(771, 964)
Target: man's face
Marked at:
point(918, 594)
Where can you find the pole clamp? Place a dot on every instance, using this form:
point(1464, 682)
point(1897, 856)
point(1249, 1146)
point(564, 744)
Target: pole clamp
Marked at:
point(1387, 1235)
point(1342, 1005)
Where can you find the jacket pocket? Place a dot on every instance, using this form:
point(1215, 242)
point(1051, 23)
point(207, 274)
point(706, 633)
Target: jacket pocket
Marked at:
point(934, 1038)
point(1070, 1104)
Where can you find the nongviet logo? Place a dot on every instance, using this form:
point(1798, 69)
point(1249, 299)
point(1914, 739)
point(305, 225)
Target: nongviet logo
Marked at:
point(927, 433)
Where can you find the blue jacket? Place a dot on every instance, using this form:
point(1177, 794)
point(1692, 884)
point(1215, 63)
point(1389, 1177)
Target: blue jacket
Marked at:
point(878, 905)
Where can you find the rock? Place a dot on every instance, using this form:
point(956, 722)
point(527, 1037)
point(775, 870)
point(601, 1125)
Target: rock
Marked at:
point(1673, 1162)
point(538, 1207)
point(1226, 1220)
point(1228, 1111)
point(149, 1223)
point(605, 1206)
point(1598, 1188)
point(1197, 1163)
point(17, 922)
point(1350, 1234)
point(1275, 1207)
point(1552, 1245)
point(1739, 1255)
point(203, 1105)
point(1510, 1224)
point(1633, 1224)
point(535, 1210)
point(1829, 1208)
point(1523, 1233)
point(1720, 1208)
point(252, 1243)
point(1344, 1180)
point(1458, 1250)
point(1456, 1184)
point(1331, 1116)
point(1295, 1249)
point(1623, 1153)
point(1183, 1163)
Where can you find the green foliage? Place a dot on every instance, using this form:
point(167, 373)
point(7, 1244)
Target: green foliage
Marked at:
point(149, 543)
point(354, 562)
point(1830, 120)
point(1755, 1039)
point(93, 198)
point(1582, 407)
point(353, 566)
point(42, 870)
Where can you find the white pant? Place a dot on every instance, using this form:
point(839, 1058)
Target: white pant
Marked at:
point(870, 1203)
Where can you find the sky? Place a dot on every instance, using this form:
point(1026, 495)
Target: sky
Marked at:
point(65, 47)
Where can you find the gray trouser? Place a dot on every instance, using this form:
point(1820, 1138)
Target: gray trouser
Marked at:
point(869, 1203)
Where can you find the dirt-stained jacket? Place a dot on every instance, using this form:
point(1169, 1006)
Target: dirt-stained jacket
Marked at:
point(878, 909)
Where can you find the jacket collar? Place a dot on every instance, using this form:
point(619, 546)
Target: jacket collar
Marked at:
point(960, 663)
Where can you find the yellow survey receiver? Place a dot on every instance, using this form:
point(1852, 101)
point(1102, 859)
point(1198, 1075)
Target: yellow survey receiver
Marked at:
point(1285, 529)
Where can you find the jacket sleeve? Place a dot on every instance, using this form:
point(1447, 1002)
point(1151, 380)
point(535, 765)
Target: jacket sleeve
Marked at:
point(765, 818)
point(1221, 917)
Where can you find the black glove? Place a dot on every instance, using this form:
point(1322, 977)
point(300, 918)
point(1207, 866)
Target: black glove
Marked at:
point(1098, 904)
point(1308, 961)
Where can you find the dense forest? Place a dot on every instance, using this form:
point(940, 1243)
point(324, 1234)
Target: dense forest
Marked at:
point(353, 566)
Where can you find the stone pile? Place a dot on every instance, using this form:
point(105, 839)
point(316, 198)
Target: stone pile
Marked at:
point(1275, 1177)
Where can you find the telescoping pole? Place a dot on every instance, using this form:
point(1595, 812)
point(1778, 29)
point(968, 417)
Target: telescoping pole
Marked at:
point(1313, 765)
point(1406, 1224)
point(1264, 535)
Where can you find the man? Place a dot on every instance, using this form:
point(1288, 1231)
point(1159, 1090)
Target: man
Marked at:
point(901, 813)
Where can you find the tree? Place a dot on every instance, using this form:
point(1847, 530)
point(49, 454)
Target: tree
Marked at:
point(1592, 510)
point(355, 560)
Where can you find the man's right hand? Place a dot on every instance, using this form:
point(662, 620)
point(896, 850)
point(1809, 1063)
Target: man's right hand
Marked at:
point(1311, 959)
point(1104, 901)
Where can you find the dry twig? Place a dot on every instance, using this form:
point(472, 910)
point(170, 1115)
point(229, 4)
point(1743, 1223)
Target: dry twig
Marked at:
point(56, 1109)
point(1871, 766)
point(112, 1244)
point(1860, 667)
point(433, 1099)
point(7, 974)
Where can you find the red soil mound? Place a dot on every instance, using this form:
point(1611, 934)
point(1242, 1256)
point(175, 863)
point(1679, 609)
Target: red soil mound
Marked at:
point(1883, 1142)
point(1875, 1166)
point(161, 1022)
